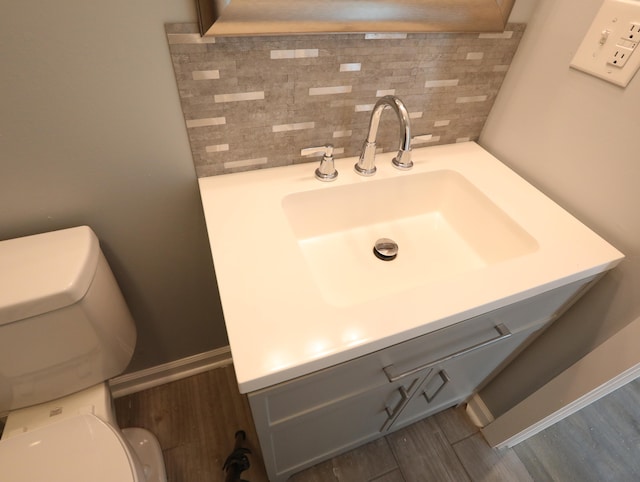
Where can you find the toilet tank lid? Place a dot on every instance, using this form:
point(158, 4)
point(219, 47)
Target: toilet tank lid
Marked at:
point(45, 272)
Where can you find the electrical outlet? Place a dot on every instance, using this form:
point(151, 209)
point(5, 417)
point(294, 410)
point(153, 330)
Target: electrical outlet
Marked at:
point(620, 56)
point(607, 50)
point(634, 32)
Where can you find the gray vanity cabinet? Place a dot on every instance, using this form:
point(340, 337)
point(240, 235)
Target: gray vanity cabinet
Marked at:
point(312, 418)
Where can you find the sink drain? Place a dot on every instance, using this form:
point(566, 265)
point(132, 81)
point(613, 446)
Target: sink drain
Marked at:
point(385, 249)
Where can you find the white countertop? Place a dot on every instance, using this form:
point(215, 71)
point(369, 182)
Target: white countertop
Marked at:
point(279, 325)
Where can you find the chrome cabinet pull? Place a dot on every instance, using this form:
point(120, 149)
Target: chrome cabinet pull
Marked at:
point(393, 414)
point(444, 378)
point(503, 332)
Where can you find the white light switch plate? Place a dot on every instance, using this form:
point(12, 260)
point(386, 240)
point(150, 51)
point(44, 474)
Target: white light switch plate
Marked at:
point(610, 48)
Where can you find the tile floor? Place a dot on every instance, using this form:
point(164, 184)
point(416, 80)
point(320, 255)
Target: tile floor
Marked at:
point(196, 418)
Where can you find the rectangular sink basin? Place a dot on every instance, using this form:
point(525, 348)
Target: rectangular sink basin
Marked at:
point(301, 289)
point(443, 226)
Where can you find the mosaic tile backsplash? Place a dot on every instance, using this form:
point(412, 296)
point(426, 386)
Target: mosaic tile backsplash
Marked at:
point(256, 102)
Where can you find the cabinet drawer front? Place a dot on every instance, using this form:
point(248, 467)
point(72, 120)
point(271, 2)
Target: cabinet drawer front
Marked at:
point(502, 334)
point(437, 347)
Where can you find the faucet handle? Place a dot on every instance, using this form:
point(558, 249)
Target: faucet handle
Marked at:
point(327, 171)
point(327, 150)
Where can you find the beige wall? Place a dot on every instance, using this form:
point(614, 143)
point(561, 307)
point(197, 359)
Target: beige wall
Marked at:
point(576, 138)
point(91, 132)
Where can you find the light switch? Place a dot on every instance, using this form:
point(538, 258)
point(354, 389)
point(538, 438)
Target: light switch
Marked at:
point(608, 50)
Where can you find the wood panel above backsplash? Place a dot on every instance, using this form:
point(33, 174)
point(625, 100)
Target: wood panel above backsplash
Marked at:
point(256, 102)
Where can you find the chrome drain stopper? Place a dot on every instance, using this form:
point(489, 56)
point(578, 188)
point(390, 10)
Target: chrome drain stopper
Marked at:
point(385, 249)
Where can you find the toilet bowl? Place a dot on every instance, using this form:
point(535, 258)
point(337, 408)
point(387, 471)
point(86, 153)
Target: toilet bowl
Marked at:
point(77, 449)
point(64, 330)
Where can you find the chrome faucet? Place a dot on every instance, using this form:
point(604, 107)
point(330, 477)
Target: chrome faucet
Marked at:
point(366, 165)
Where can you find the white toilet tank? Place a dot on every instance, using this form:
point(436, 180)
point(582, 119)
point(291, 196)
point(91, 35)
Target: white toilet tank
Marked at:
point(64, 324)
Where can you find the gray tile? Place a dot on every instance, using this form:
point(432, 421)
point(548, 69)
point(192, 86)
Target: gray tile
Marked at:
point(195, 421)
point(600, 442)
point(245, 64)
point(365, 463)
point(423, 453)
point(490, 465)
point(395, 476)
point(455, 424)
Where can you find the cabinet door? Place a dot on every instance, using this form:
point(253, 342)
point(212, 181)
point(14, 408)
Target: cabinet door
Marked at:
point(453, 381)
point(299, 442)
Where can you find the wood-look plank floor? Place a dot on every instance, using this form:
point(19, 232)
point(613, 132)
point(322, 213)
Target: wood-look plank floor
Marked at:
point(195, 420)
point(599, 443)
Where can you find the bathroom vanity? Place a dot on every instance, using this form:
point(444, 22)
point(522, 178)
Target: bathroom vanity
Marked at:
point(336, 347)
point(317, 416)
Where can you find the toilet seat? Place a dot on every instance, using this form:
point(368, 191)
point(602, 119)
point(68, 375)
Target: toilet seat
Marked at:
point(75, 449)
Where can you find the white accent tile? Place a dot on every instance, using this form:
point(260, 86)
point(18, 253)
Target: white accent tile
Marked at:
point(338, 89)
point(336, 151)
point(282, 54)
point(350, 67)
point(441, 83)
point(415, 115)
point(189, 38)
point(427, 138)
point(364, 107)
point(210, 121)
point(294, 54)
point(381, 36)
point(506, 34)
point(217, 148)
point(463, 139)
point(475, 55)
point(421, 139)
point(382, 93)
point(238, 97)
point(471, 98)
point(293, 127)
point(337, 134)
point(205, 74)
point(441, 123)
point(246, 163)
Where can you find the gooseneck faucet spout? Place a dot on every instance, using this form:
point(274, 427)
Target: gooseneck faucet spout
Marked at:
point(366, 164)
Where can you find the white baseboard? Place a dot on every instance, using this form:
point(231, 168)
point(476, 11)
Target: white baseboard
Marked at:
point(606, 368)
point(478, 412)
point(564, 412)
point(169, 372)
